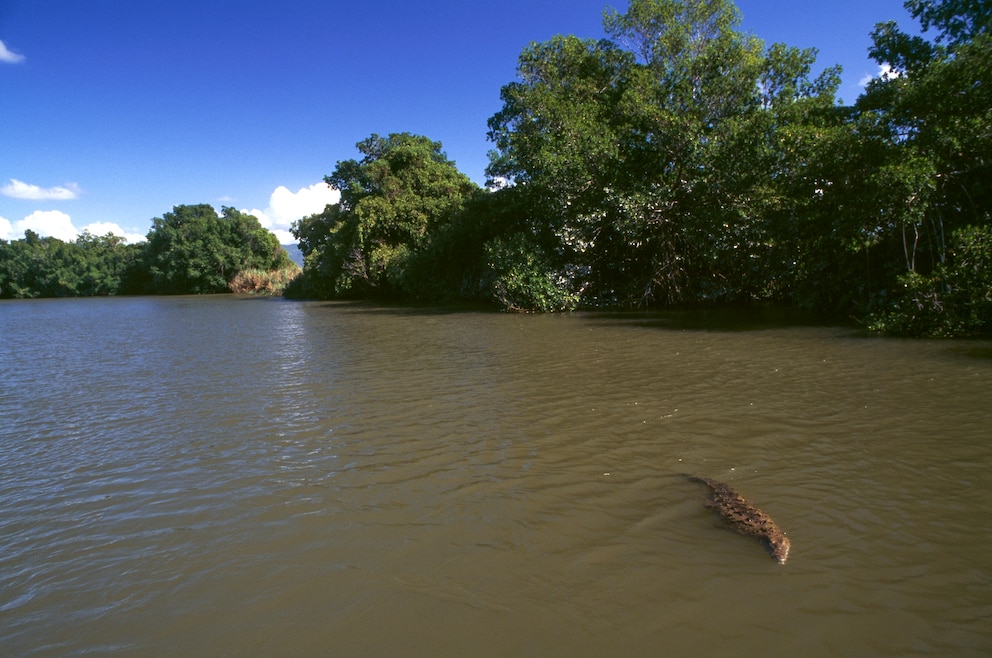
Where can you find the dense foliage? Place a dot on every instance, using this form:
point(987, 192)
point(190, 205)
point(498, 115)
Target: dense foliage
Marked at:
point(189, 250)
point(194, 250)
point(680, 161)
point(401, 192)
point(48, 267)
point(933, 117)
point(659, 160)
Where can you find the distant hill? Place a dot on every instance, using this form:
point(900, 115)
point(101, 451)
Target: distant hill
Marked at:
point(294, 253)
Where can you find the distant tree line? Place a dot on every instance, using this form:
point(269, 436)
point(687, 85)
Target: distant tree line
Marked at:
point(190, 250)
point(682, 162)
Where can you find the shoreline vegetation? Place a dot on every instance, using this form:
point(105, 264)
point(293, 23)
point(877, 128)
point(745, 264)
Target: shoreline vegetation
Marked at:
point(264, 282)
point(190, 250)
point(680, 162)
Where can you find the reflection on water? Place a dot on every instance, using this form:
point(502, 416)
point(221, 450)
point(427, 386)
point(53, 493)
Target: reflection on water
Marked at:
point(243, 476)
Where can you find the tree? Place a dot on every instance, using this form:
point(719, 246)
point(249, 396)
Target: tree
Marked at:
point(650, 159)
point(108, 265)
point(193, 250)
point(558, 141)
point(48, 267)
point(400, 192)
point(933, 112)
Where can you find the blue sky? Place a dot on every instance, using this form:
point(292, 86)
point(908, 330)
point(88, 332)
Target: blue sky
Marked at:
point(114, 111)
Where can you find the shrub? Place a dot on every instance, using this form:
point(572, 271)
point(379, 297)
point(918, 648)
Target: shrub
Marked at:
point(954, 300)
point(523, 278)
point(261, 282)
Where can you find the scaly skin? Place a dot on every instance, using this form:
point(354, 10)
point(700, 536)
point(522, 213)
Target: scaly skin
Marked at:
point(746, 519)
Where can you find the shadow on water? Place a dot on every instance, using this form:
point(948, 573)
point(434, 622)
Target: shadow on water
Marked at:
point(725, 319)
point(981, 350)
point(721, 319)
point(717, 319)
point(386, 308)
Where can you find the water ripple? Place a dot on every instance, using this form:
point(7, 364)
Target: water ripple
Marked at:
point(223, 475)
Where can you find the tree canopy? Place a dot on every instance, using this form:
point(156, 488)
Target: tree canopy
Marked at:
point(190, 250)
point(194, 250)
point(682, 161)
point(932, 115)
point(678, 161)
point(402, 190)
point(48, 267)
point(657, 152)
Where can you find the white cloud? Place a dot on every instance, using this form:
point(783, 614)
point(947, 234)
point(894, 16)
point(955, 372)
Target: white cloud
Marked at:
point(498, 183)
point(885, 72)
point(21, 190)
point(9, 57)
point(57, 224)
point(103, 228)
point(284, 236)
point(285, 207)
point(45, 223)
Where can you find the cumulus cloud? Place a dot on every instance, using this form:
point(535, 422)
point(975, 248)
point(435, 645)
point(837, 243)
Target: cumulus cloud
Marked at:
point(103, 228)
point(9, 57)
point(285, 207)
point(57, 224)
point(885, 72)
point(53, 223)
point(20, 190)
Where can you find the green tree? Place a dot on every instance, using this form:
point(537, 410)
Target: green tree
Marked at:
point(933, 114)
point(559, 140)
point(40, 267)
point(193, 250)
point(14, 264)
point(403, 190)
point(108, 265)
point(650, 159)
point(49, 267)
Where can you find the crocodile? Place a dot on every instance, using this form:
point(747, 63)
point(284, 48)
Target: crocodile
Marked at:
point(745, 518)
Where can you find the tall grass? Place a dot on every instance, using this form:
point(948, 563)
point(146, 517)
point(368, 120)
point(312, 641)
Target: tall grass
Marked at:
point(261, 282)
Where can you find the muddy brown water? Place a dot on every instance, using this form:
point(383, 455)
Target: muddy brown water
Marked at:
point(235, 476)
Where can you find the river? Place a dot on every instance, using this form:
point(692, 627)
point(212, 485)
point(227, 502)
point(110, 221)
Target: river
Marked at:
point(237, 476)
